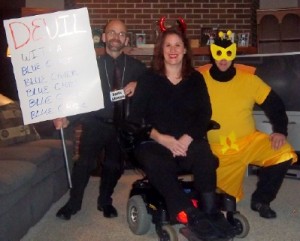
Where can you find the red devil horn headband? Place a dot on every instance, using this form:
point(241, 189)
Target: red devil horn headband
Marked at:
point(181, 24)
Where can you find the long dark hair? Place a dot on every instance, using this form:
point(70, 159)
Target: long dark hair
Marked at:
point(157, 63)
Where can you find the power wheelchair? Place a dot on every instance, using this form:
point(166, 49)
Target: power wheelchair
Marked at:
point(146, 206)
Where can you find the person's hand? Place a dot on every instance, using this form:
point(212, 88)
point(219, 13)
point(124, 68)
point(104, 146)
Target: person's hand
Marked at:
point(169, 142)
point(61, 123)
point(175, 146)
point(277, 140)
point(130, 88)
point(185, 140)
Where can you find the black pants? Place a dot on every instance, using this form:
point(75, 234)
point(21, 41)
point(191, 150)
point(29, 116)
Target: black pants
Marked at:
point(97, 136)
point(270, 180)
point(162, 169)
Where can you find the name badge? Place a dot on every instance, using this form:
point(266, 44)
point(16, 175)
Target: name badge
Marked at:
point(117, 95)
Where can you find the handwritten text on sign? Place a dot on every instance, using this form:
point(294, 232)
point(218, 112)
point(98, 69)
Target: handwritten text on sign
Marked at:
point(54, 64)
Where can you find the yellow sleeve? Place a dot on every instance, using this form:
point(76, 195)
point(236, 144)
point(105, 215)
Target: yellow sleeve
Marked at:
point(260, 89)
point(246, 68)
point(204, 68)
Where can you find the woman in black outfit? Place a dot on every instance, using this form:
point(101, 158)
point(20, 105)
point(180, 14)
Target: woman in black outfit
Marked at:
point(173, 98)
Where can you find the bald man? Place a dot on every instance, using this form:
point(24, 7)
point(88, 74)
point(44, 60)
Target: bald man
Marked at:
point(99, 127)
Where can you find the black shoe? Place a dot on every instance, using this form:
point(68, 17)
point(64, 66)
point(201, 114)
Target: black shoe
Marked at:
point(66, 212)
point(109, 211)
point(264, 210)
point(201, 226)
point(219, 221)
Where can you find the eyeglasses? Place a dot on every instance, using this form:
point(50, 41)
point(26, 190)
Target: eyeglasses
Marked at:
point(113, 34)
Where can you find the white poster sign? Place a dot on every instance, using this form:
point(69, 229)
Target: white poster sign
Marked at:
point(54, 64)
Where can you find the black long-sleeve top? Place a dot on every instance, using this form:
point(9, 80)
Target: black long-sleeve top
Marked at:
point(274, 109)
point(172, 109)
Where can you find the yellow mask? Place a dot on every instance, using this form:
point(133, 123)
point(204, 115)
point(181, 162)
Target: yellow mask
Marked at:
point(220, 53)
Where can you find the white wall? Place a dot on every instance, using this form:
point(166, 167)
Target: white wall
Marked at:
point(59, 4)
point(274, 4)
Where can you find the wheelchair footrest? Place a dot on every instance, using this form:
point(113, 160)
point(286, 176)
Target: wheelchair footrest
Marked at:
point(187, 233)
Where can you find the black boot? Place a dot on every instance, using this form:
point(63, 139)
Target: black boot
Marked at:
point(80, 178)
point(264, 210)
point(208, 204)
point(270, 180)
point(200, 226)
point(68, 210)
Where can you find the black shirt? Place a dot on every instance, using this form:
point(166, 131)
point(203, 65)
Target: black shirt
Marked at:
point(172, 109)
point(131, 69)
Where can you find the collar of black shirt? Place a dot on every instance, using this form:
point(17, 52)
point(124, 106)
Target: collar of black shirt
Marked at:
point(120, 60)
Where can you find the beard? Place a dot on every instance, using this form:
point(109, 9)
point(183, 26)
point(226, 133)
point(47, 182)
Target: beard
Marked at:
point(115, 45)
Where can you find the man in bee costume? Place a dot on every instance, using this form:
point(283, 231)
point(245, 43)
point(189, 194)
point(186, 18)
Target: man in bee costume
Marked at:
point(234, 89)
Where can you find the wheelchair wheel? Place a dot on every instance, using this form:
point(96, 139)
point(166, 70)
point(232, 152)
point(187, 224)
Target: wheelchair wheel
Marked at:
point(168, 233)
point(138, 218)
point(241, 225)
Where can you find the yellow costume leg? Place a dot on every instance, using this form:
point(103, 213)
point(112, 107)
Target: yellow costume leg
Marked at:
point(256, 149)
point(265, 156)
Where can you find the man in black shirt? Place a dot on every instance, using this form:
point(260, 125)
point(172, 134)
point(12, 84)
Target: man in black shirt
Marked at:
point(99, 127)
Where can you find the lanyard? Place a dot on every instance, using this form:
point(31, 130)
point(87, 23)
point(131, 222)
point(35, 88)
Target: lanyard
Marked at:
point(108, 81)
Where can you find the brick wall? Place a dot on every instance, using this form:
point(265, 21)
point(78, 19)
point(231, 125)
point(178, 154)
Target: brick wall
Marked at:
point(140, 15)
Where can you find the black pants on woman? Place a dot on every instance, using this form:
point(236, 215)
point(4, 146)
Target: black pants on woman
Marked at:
point(162, 170)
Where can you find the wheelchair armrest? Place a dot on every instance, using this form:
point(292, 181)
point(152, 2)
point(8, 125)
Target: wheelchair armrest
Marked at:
point(213, 125)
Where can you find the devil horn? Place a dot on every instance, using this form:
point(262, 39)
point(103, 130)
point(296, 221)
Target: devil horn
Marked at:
point(182, 24)
point(162, 24)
